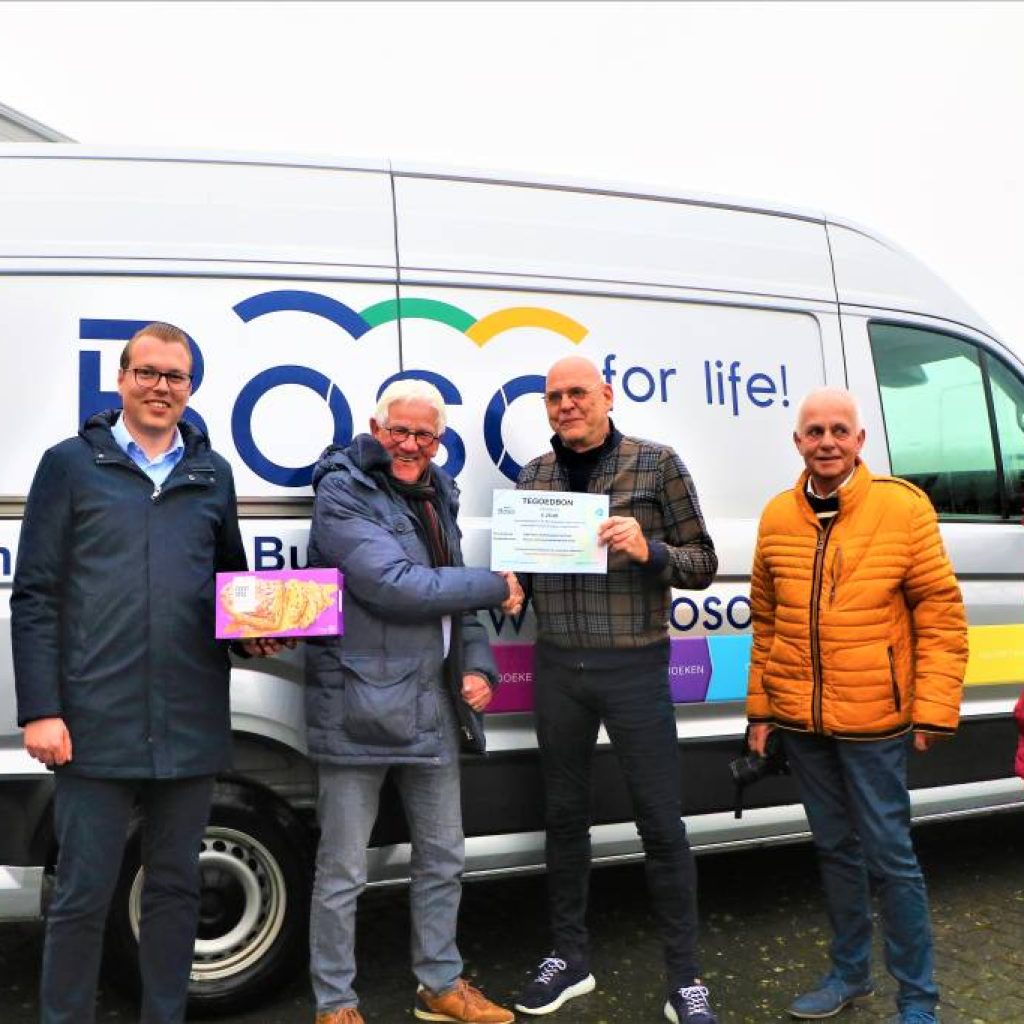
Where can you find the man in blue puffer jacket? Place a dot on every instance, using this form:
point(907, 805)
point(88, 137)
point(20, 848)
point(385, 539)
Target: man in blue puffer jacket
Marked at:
point(384, 697)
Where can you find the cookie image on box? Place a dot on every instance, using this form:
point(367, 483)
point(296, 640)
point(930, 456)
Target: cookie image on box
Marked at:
point(278, 603)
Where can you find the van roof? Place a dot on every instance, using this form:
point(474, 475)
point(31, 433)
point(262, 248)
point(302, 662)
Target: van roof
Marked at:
point(77, 151)
point(867, 270)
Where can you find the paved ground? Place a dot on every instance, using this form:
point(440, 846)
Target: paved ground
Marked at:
point(765, 939)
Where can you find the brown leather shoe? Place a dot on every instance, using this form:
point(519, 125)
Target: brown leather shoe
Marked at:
point(346, 1015)
point(462, 1004)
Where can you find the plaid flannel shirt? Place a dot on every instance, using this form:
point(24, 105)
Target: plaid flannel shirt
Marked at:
point(628, 607)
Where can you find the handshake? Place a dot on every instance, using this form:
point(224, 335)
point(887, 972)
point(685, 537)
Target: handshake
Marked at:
point(513, 604)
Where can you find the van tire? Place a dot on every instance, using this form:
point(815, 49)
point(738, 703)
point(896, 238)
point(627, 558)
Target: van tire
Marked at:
point(256, 864)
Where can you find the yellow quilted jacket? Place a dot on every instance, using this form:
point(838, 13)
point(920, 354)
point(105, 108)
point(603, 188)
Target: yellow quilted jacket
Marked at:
point(859, 628)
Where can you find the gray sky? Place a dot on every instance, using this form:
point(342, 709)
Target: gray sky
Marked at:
point(904, 117)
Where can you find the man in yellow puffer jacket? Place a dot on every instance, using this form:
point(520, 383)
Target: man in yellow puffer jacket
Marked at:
point(860, 642)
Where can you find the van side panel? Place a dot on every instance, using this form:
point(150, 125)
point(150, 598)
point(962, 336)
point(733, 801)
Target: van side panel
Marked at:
point(548, 233)
point(704, 378)
point(90, 208)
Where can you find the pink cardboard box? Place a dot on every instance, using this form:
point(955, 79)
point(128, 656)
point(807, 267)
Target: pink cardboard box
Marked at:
point(279, 602)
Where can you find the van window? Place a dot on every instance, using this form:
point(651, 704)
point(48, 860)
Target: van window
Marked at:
point(1008, 405)
point(954, 419)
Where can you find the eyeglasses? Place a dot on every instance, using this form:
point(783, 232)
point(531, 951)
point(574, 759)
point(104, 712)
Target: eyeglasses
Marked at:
point(424, 438)
point(147, 377)
point(576, 395)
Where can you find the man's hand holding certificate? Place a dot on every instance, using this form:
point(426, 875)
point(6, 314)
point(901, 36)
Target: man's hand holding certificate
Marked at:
point(548, 531)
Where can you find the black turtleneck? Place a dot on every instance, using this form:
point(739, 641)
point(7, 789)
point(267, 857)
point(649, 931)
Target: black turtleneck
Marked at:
point(579, 466)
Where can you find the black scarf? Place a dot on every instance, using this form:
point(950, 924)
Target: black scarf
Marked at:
point(421, 497)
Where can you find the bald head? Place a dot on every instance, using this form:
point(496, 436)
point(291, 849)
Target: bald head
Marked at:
point(829, 437)
point(835, 398)
point(578, 367)
point(578, 403)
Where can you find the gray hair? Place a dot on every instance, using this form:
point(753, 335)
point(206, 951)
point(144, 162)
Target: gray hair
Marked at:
point(407, 390)
point(836, 394)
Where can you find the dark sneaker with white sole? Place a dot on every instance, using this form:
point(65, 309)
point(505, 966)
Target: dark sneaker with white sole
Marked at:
point(689, 1005)
point(557, 981)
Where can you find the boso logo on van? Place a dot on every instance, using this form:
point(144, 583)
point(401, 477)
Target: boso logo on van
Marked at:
point(724, 385)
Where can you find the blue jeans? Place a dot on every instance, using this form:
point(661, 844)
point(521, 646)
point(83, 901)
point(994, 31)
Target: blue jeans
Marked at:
point(575, 691)
point(855, 795)
point(91, 817)
point(347, 809)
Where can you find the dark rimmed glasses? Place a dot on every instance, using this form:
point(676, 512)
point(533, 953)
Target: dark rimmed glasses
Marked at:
point(424, 438)
point(147, 377)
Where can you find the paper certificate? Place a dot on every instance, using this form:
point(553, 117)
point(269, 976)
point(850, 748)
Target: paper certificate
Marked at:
point(548, 531)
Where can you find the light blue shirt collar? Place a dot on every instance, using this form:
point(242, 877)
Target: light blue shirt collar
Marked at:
point(158, 469)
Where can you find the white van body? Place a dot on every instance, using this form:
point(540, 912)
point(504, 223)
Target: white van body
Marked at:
point(307, 285)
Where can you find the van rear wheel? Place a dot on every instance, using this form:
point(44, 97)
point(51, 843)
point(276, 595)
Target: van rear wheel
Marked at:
point(256, 867)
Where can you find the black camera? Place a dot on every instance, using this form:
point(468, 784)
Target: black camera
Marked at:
point(751, 767)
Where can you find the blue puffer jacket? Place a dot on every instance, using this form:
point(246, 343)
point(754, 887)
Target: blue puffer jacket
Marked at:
point(112, 610)
point(373, 696)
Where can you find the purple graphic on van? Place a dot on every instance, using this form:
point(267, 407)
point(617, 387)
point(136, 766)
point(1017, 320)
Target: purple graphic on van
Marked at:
point(690, 670)
point(515, 668)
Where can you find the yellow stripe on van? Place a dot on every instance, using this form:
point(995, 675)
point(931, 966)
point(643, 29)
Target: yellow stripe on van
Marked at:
point(997, 655)
point(525, 316)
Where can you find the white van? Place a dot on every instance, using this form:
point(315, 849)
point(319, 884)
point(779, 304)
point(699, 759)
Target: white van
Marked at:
point(306, 286)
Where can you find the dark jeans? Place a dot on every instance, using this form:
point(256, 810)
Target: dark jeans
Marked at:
point(91, 818)
point(855, 795)
point(575, 691)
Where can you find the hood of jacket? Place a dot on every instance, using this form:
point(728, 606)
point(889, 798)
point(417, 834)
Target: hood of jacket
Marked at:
point(365, 456)
point(367, 460)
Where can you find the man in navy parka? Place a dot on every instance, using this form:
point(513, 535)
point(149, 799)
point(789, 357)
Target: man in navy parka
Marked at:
point(122, 688)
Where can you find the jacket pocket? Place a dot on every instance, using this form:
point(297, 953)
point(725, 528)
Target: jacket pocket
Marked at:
point(892, 676)
point(380, 698)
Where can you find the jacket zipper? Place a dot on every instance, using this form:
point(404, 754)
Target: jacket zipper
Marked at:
point(837, 571)
point(817, 578)
point(895, 686)
point(194, 479)
point(158, 489)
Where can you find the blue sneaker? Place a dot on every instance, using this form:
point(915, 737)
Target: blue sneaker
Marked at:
point(557, 981)
point(689, 1005)
point(831, 996)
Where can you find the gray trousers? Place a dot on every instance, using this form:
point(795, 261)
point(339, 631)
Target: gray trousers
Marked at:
point(347, 808)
